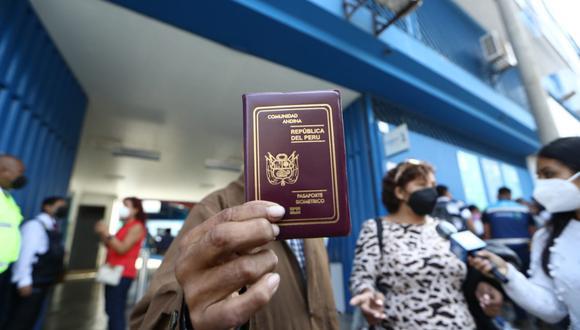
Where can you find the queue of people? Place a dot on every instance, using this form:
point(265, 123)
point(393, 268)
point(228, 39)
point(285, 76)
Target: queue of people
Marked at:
point(32, 254)
point(227, 269)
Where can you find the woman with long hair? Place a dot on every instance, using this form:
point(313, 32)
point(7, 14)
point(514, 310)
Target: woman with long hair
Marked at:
point(122, 250)
point(553, 290)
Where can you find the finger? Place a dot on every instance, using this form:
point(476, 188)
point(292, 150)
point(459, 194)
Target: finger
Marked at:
point(238, 237)
point(221, 241)
point(359, 299)
point(251, 210)
point(236, 311)
point(487, 255)
point(376, 313)
point(379, 298)
point(219, 282)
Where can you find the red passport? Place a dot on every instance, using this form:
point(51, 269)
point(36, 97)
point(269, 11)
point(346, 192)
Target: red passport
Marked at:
point(295, 156)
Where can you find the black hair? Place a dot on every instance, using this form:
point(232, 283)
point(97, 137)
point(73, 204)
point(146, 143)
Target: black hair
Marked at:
point(504, 191)
point(473, 207)
point(442, 190)
point(50, 201)
point(565, 151)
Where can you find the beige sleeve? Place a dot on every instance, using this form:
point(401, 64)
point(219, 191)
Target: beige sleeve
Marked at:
point(164, 295)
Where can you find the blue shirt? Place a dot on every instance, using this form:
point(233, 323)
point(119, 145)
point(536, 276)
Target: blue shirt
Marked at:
point(509, 222)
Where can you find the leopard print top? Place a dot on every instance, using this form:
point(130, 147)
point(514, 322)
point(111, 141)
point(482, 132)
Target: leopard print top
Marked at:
point(420, 277)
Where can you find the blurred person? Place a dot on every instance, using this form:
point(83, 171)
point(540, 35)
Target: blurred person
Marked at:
point(475, 222)
point(449, 209)
point(540, 214)
point(164, 241)
point(11, 178)
point(510, 223)
point(40, 264)
point(414, 281)
point(122, 250)
point(553, 290)
point(523, 202)
point(226, 269)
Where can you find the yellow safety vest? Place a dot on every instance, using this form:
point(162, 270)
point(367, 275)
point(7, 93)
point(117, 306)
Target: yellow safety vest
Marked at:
point(10, 219)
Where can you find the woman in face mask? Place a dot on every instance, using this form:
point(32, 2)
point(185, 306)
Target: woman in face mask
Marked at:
point(123, 250)
point(413, 281)
point(553, 290)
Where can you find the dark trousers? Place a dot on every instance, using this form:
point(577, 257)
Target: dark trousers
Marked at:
point(5, 295)
point(115, 302)
point(25, 310)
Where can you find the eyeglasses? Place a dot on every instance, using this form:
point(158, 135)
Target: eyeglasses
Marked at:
point(405, 165)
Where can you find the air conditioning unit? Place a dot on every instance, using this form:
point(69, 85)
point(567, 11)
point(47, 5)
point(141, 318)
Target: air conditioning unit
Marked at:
point(497, 52)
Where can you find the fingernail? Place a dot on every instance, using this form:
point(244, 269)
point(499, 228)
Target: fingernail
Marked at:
point(276, 211)
point(276, 229)
point(379, 302)
point(273, 281)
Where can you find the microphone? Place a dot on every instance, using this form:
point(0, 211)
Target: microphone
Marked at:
point(465, 243)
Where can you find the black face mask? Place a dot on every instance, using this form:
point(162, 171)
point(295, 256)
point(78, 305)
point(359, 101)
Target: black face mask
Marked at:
point(423, 201)
point(61, 212)
point(19, 182)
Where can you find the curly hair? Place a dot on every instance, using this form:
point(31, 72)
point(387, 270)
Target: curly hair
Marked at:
point(400, 176)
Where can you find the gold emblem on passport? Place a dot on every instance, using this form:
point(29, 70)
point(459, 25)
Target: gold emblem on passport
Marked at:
point(282, 169)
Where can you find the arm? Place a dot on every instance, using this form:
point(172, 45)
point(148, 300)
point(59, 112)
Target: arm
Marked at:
point(365, 268)
point(471, 225)
point(531, 225)
point(536, 294)
point(30, 245)
point(365, 273)
point(165, 296)
point(486, 226)
point(486, 231)
point(123, 246)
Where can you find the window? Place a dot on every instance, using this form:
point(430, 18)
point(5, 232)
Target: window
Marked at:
point(471, 179)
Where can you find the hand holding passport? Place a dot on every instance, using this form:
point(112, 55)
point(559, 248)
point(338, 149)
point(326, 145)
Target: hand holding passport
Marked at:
point(295, 156)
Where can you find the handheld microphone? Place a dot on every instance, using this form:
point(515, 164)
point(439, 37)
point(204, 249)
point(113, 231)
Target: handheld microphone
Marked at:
point(465, 243)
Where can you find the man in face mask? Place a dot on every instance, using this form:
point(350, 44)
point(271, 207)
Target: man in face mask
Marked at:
point(40, 264)
point(11, 177)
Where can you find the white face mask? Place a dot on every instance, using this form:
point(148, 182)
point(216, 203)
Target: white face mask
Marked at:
point(124, 212)
point(558, 195)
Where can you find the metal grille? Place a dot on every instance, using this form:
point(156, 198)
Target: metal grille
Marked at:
point(447, 29)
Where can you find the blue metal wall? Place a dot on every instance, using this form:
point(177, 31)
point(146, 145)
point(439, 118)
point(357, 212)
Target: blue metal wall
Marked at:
point(42, 105)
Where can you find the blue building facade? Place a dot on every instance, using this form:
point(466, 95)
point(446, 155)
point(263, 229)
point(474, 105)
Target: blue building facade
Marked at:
point(42, 105)
point(426, 71)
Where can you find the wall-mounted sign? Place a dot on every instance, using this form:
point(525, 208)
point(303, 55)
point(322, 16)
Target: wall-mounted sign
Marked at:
point(397, 140)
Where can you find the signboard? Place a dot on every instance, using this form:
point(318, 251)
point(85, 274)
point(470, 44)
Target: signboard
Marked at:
point(397, 140)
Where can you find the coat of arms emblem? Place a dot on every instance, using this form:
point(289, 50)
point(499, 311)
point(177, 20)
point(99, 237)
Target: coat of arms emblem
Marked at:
point(282, 169)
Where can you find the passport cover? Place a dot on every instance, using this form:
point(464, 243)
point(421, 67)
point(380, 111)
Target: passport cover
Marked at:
point(294, 156)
